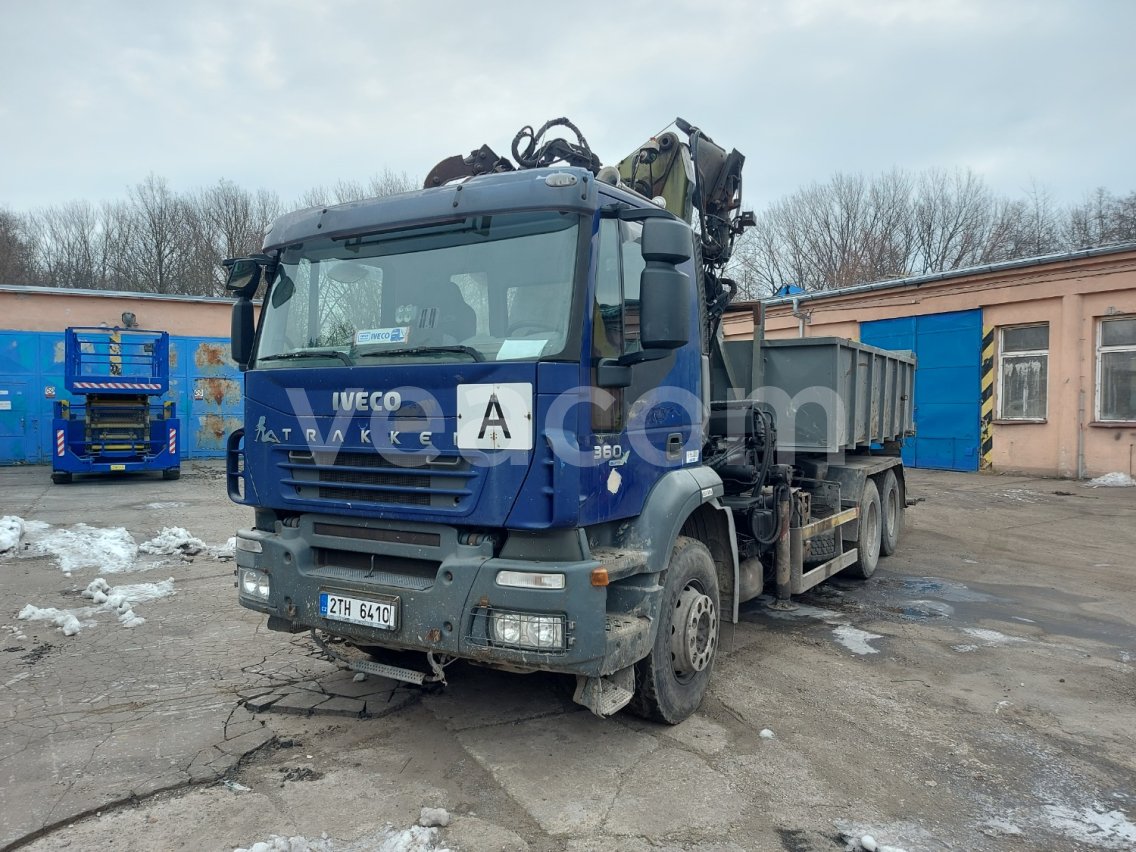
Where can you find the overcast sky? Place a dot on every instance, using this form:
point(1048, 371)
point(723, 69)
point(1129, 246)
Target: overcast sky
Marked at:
point(94, 96)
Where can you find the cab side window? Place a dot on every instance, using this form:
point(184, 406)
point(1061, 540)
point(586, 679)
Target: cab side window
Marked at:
point(616, 314)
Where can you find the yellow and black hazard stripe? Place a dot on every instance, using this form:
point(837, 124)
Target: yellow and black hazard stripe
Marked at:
point(987, 450)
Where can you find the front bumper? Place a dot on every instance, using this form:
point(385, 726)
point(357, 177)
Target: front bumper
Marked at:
point(447, 591)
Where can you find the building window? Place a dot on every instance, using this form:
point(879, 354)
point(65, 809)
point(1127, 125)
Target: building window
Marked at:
point(1023, 372)
point(1116, 370)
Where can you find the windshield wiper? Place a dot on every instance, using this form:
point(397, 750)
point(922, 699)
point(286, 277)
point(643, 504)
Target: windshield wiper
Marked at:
point(310, 353)
point(425, 350)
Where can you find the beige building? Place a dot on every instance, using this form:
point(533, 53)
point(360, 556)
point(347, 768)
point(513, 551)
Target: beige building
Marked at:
point(1025, 366)
point(54, 309)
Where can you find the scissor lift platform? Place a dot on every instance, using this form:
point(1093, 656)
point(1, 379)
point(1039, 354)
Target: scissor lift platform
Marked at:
point(115, 421)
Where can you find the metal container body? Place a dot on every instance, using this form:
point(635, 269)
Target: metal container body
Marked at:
point(834, 395)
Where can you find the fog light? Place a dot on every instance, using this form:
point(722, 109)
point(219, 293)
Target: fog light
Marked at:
point(254, 584)
point(526, 630)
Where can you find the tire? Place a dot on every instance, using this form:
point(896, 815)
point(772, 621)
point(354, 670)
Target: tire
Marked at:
point(891, 513)
point(61, 477)
point(868, 540)
point(172, 473)
point(671, 680)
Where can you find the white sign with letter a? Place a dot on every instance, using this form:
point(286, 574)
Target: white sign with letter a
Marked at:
point(495, 417)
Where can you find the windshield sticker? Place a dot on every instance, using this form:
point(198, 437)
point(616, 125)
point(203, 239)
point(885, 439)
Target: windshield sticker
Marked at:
point(397, 334)
point(520, 349)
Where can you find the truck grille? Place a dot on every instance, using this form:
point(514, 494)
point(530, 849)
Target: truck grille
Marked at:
point(443, 482)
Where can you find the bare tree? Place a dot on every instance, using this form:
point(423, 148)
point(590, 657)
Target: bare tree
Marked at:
point(17, 250)
point(156, 252)
point(224, 221)
point(1036, 230)
point(382, 184)
point(1102, 219)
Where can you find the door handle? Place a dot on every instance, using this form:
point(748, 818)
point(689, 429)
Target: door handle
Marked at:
point(674, 445)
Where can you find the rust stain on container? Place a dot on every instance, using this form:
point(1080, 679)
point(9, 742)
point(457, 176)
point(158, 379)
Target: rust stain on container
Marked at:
point(213, 430)
point(212, 356)
point(218, 391)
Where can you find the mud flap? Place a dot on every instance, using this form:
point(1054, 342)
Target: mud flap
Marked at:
point(606, 695)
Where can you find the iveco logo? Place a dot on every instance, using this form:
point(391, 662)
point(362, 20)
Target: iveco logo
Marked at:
point(360, 400)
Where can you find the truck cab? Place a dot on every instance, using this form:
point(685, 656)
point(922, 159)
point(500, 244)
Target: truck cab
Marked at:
point(468, 411)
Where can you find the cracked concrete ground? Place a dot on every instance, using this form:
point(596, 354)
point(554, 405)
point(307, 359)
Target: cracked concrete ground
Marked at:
point(994, 714)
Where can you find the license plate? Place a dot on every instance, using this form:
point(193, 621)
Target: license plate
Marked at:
point(381, 613)
point(118, 467)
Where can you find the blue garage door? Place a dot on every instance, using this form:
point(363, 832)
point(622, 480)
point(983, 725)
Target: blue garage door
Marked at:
point(948, 379)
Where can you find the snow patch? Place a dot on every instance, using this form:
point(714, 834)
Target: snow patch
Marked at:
point(171, 541)
point(106, 598)
point(111, 550)
point(178, 541)
point(852, 638)
point(66, 620)
point(430, 817)
point(414, 839)
point(160, 506)
point(1020, 495)
point(1093, 825)
point(964, 649)
point(1116, 479)
point(11, 531)
point(990, 637)
point(857, 839)
point(856, 640)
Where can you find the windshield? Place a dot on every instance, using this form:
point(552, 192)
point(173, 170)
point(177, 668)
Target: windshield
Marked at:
point(482, 288)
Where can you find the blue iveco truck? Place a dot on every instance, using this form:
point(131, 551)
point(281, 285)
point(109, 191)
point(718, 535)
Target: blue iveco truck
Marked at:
point(496, 420)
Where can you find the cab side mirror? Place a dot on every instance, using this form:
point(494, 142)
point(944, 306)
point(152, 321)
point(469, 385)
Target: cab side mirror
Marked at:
point(244, 274)
point(664, 291)
point(243, 280)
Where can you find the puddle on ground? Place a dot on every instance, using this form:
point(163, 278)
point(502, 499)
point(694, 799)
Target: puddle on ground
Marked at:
point(921, 609)
point(944, 589)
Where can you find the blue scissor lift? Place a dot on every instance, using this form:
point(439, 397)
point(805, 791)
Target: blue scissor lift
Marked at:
point(115, 420)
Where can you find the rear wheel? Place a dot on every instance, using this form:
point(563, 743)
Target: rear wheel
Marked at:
point(891, 513)
point(672, 679)
point(172, 473)
point(61, 477)
point(868, 541)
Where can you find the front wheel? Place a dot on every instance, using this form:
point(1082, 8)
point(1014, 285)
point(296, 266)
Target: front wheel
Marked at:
point(61, 477)
point(171, 473)
point(672, 679)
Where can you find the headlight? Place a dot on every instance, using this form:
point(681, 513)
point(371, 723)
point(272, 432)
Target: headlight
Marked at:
point(254, 584)
point(526, 630)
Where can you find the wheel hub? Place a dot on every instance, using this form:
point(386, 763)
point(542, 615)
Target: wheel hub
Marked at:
point(694, 631)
